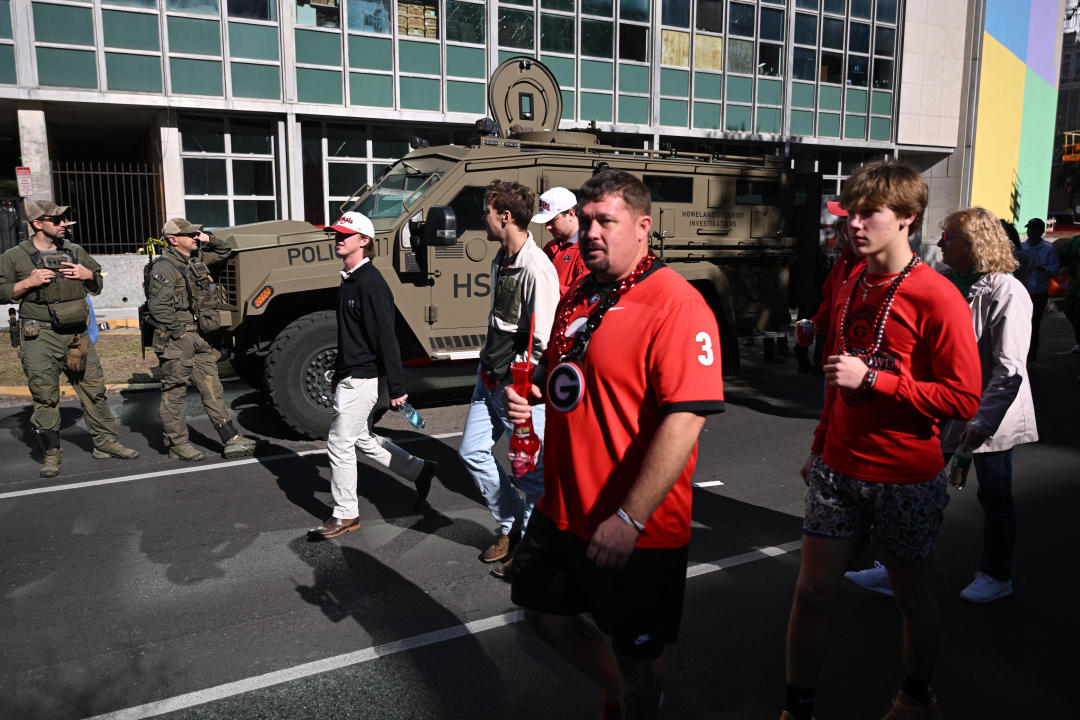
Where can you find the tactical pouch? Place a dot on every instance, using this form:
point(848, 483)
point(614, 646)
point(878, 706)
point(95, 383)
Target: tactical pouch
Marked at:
point(209, 321)
point(30, 329)
point(70, 313)
point(75, 358)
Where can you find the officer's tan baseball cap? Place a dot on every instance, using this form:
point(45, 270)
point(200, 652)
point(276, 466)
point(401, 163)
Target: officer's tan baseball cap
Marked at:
point(37, 209)
point(179, 226)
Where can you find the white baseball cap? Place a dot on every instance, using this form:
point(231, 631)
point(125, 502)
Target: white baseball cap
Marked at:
point(353, 222)
point(554, 201)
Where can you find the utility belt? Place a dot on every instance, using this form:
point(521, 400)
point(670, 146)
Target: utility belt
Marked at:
point(77, 350)
point(32, 328)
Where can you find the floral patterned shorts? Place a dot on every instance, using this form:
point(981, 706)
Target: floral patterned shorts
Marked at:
point(904, 519)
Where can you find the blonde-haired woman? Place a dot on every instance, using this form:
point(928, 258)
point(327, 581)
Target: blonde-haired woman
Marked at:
point(977, 249)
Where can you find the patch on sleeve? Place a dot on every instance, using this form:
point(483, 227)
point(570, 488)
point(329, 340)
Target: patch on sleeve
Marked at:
point(157, 283)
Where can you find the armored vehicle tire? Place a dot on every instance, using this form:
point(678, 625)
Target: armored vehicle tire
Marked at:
point(299, 370)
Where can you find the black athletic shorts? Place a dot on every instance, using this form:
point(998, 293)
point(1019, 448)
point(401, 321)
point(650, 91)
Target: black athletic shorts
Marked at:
point(639, 605)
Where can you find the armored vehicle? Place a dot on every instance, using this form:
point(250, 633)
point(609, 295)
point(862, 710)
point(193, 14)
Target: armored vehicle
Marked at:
point(718, 221)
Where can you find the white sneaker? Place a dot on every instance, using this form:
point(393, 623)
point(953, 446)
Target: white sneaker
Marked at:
point(875, 579)
point(984, 589)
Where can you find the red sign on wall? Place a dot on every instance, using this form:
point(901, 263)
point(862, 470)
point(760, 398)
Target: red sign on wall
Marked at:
point(26, 184)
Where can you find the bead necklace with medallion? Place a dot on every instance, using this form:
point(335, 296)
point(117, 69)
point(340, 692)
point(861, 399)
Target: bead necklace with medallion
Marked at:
point(571, 349)
point(882, 314)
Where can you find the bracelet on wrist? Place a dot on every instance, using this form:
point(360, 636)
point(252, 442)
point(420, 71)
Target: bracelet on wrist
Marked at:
point(868, 380)
point(625, 517)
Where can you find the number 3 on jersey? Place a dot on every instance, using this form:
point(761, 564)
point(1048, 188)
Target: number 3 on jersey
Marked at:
point(706, 356)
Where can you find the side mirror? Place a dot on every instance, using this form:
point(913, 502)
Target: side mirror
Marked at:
point(440, 228)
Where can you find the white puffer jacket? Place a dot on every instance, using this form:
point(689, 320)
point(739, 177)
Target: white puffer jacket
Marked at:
point(1001, 314)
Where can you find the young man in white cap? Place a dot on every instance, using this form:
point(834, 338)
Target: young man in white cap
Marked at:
point(558, 213)
point(367, 348)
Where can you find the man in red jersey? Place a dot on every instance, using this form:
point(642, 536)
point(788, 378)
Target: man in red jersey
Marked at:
point(905, 358)
point(558, 213)
point(609, 537)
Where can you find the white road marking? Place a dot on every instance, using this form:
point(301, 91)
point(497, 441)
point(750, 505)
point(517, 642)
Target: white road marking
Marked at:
point(195, 469)
point(258, 682)
point(708, 483)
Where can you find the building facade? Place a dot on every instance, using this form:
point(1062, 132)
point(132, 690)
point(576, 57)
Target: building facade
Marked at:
point(251, 110)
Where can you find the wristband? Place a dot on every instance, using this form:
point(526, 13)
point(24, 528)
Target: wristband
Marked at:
point(625, 517)
point(868, 380)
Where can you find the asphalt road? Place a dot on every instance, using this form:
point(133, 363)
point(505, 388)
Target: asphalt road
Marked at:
point(149, 587)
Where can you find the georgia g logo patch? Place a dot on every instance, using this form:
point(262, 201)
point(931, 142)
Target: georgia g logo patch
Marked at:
point(565, 387)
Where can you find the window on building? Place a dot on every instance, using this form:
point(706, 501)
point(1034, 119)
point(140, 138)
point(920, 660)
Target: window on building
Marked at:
point(884, 41)
point(634, 10)
point(772, 24)
point(203, 7)
point(675, 13)
point(633, 42)
point(860, 9)
point(769, 59)
point(832, 33)
point(883, 74)
point(597, 39)
point(557, 33)
point(370, 16)
point(832, 68)
point(741, 56)
point(515, 28)
point(741, 20)
point(318, 13)
point(858, 69)
point(886, 11)
point(710, 16)
point(596, 7)
point(859, 38)
point(804, 64)
point(805, 29)
point(464, 22)
point(835, 6)
point(253, 9)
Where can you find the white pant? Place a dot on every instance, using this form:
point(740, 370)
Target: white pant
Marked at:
point(353, 402)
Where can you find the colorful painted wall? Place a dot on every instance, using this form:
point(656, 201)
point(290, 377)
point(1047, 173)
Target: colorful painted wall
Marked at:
point(1014, 126)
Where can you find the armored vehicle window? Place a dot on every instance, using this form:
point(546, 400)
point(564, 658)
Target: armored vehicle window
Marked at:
point(670, 189)
point(757, 192)
point(469, 209)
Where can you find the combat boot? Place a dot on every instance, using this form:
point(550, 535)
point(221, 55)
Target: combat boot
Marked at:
point(239, 446)
point(113, 449)
point(186, 452)
point(51, 466)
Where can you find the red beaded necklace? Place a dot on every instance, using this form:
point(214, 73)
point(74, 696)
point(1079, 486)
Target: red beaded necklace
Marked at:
point(882, 314)
point(573, 348)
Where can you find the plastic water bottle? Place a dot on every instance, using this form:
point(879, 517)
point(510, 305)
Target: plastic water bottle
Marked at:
point(958, 469)
point(410, 414)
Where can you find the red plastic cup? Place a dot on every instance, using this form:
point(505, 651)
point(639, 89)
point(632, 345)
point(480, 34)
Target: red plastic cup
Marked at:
point(521, 372)
point(804, 332)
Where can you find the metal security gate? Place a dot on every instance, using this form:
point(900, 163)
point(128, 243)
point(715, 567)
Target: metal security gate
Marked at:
point(12, 226)
point(116, 205)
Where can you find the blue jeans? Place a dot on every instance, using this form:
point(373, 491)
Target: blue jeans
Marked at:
point(484, 425)
point(994, 473)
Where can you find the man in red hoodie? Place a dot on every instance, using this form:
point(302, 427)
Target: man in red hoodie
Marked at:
point(904, 358)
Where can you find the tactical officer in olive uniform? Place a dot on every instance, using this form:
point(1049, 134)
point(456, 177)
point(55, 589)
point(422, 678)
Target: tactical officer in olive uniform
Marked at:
point(183, 302)
point(50, 276)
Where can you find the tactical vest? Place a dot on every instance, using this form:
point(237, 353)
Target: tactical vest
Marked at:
point(64, 297)
point(198, 294)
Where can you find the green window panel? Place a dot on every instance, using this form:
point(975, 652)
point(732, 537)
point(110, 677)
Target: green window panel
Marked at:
point(138, 73)
point(567, 105)
point(706, 116)
point(373, 90)
point(633, 78)
point(633, 110)
point(419, 94)
point(254, 42)
point(828, 124)
point(595, 106)
point(673, 112)
point(138, 31)
point(416, 57)
point(465, 97)
point(829, 98)
point(768, 120)
point(855, 127)
point(318, 48)
point(195, 77)
point(802, 95)
point(318, 86)
point(370, 53)
point(66, 68)
point(5, 19)
point(802, 122)
point(856, 100)
point(740, 89)
point(199, 37)
point(465, 62)
point(880, 104)
point(563, 69)
point(255, 81)
point(674, 82)
point(7, 64)
point(881, 129)
point(737, 117)
point(597, 76)
point(770, 92)
point(62, 24)
point(708, 86)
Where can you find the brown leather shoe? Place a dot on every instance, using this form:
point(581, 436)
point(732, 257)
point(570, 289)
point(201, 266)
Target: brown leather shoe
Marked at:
point(334, 527)
point(423, 482)
point(504, 571)
point(499, 551)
